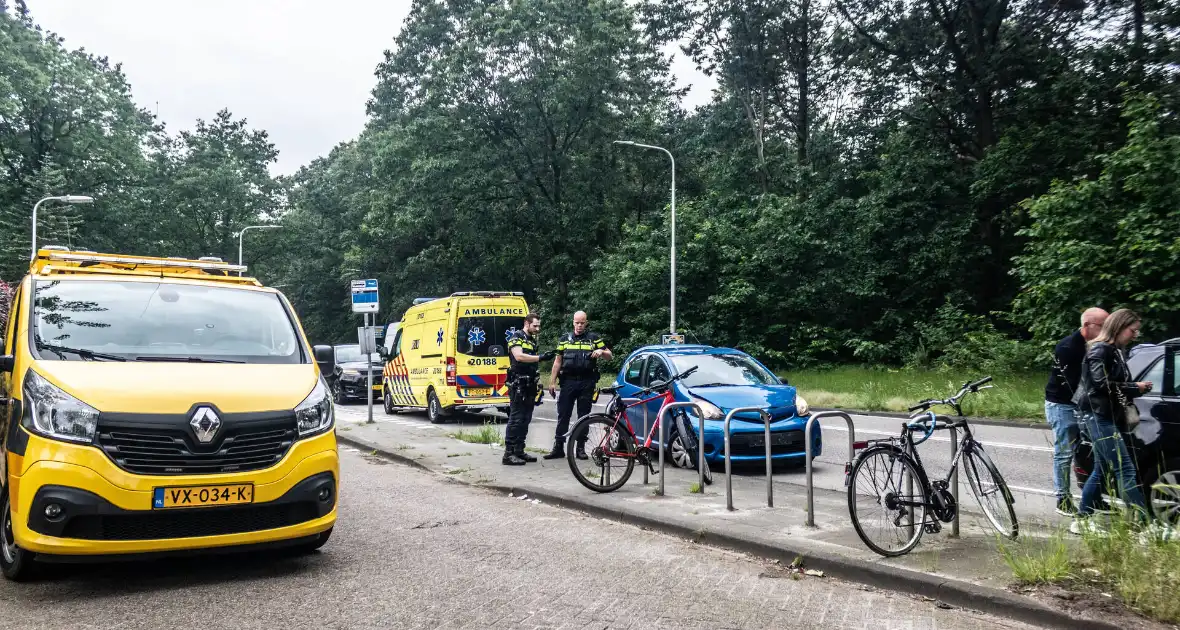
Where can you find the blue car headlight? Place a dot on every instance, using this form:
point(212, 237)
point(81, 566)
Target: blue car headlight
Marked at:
point(711, 411)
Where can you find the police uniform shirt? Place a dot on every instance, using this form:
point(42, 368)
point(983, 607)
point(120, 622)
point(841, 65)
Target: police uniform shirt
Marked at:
point(575, 353)
point(528, 345)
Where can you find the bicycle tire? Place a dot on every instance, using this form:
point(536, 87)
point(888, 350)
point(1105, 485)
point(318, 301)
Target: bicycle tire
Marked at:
point(974, 453)
point(691, 445)
point(625, 443)
point(918, 523)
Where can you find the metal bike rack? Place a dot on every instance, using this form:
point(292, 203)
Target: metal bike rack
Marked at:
point(955, 482)
point(769, 463)
point(807, 446)
point(636, 401)
point(661, 419)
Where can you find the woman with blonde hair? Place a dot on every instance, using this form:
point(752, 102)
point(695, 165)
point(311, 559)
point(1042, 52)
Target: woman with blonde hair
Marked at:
point(1104, 391)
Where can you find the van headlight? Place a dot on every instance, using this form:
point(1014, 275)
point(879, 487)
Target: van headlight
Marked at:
point(801, 407)
point(711, 411)
point(314, 414)
point(56, 414)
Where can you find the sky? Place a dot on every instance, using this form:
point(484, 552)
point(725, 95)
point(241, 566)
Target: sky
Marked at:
point(295, 68)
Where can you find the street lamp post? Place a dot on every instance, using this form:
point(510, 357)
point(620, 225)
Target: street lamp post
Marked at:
point(243, 232)
point(70, 199)
point(672, 323)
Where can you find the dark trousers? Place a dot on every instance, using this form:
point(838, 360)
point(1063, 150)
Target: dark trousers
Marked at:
point(580, 391)
point(520, 414)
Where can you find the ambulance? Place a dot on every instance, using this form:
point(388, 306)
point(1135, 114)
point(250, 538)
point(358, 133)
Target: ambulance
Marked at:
point(155, 406)
point(451, 354)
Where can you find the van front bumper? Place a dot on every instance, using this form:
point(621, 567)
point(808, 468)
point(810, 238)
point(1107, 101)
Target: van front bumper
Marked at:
point(104, 511)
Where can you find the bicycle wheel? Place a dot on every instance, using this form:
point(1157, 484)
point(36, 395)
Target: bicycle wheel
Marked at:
point(887, 501)
point(990, 490)
point(610, 446)
point(691, 445)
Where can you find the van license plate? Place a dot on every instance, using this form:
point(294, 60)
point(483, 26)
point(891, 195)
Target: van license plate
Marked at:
point(479, 391)
point(203, 496)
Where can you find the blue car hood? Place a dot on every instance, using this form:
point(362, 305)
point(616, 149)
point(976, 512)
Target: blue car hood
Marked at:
point(779, 398)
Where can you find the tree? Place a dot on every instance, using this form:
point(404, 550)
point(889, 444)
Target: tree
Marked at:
point(1110, 240)
point(68, 125)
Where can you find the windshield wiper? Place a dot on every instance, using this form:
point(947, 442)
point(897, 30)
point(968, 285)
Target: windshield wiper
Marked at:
point(171, 359)
point(82, 352)
point(712, 385)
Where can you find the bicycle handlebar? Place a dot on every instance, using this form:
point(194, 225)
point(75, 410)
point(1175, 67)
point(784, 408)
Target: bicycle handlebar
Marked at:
point(662, 384)
point(953, 400)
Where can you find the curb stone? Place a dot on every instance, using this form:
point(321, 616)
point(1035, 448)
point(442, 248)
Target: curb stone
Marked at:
point(956, 593)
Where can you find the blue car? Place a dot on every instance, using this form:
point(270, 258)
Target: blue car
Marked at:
point(725, 379)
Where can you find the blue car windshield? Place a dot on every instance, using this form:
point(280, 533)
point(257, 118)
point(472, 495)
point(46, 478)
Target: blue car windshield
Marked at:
point(715, 370)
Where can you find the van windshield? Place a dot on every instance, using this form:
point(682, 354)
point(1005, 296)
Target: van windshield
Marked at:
point(486, 335)
point(151, 321)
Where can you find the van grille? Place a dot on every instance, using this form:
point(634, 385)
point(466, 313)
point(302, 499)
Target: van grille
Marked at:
point(173, 450)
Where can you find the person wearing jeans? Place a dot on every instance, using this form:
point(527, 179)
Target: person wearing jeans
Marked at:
point(1110, 455)
point(1105, 388)
point(1060, 411)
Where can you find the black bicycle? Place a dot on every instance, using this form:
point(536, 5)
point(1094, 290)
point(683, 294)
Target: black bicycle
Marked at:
point(891, 500)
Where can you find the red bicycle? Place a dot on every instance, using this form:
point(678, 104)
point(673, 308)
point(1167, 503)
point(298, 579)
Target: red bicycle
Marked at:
point(614, 449)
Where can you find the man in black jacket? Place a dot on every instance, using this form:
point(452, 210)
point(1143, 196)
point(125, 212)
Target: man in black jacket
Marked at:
point(1059, 408)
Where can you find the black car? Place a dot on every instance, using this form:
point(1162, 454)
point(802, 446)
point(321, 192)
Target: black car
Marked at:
point(348, 379)
point(1155, 443)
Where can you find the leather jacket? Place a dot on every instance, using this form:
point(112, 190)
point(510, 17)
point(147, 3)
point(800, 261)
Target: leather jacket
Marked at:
point(1105, 385)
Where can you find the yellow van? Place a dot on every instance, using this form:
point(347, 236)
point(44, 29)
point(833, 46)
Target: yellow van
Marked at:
point(159, 406)
point(451, 353)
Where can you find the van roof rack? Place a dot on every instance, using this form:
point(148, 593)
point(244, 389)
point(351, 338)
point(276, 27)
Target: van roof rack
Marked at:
point(57, 261)
point(487, 293)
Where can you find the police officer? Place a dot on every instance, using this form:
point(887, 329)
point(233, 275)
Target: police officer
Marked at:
point(524, 381)
point(577, 366)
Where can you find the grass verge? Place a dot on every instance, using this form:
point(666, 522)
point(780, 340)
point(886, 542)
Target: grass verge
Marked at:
point(486, 434)
point(1140, 569)
point(1015, 396)
point(1038, 561)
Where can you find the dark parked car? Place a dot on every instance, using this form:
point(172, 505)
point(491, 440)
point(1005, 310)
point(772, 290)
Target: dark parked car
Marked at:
point(1155, 443)
point(348, 379)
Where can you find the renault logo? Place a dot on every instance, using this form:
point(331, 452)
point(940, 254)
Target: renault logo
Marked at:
point(205, 424)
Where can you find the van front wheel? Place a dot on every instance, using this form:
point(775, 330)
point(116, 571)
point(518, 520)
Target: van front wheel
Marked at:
point(15, 563)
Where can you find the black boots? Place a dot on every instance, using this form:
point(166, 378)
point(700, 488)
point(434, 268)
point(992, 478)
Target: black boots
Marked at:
point(515, 456)
point(558, 452)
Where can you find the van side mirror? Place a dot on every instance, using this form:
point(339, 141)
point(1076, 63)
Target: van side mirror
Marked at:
point(325, 358)
point(7, 363)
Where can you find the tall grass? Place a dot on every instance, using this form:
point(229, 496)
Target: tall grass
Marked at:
point(1119, 557)
point(1038, 561)
point(1143, 570)
point(1014, 396)
point(486, 434)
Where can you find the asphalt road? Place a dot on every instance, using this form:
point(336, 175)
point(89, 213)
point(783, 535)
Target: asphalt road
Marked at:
point(1023, 455)
point(415, 550)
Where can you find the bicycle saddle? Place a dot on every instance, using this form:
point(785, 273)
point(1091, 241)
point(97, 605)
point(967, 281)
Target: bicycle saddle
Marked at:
point(610, 390)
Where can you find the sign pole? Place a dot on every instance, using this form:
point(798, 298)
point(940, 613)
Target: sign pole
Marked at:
point(369, 373)
point(365, 302)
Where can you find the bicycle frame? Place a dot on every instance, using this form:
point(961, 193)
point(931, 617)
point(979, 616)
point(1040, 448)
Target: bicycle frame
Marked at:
point(667, 396)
